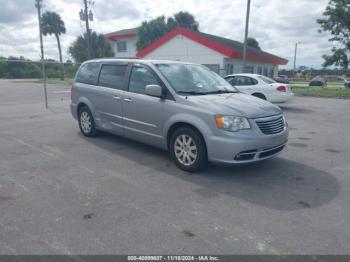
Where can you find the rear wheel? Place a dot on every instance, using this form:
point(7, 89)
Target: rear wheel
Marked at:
point(259, 95)
point(187, 148)
point(86, 122)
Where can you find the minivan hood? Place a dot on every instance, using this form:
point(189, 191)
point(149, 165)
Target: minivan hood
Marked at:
point(237, 104)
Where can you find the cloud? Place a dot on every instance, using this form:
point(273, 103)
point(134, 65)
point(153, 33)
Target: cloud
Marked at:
point(119, 9)
point(16, 11)
point(276, 24)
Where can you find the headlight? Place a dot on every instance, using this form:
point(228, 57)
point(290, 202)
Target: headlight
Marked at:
point(232, 123)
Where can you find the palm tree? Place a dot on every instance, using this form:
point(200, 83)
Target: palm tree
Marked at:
point(52, 24)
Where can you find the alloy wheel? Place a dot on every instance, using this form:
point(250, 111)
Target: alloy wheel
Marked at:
point(185, 149)
point(85, 122)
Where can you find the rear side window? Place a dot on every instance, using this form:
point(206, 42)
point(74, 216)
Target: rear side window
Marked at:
point(267, 80)
point(112, 76)
point(243, 81)
point(254, 81)
point(88, 73)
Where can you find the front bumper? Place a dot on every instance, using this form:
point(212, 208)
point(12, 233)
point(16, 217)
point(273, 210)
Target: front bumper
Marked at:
point(245, 148)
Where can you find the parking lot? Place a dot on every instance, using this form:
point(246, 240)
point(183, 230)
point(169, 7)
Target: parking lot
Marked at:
point(62, 193)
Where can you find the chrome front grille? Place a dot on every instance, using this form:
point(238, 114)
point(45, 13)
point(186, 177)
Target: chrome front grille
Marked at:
point(271, 125)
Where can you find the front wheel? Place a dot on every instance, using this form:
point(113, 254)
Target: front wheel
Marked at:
point(188, 150)
point(86, 122)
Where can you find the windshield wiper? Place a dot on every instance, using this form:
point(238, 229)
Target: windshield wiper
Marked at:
point(206, 93)
point(221, 92)
point(191, 93)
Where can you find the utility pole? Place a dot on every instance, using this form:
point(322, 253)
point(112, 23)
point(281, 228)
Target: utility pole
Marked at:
point(295, 55)
point(86, 15)
point(38, 5)
point(246, 37)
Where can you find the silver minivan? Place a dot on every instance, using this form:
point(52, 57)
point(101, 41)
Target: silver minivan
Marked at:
point(181, 107)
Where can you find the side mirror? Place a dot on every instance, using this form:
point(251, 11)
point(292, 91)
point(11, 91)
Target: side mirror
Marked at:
point(154, 90)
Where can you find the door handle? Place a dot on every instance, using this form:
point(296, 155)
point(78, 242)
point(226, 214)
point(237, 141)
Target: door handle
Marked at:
point(116, 97)
point(129, 100)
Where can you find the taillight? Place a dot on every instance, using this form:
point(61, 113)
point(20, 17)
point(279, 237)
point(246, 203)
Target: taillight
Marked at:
point(281, 89)
point(72, 93)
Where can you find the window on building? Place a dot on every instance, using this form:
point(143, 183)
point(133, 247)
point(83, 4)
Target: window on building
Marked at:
point(249, 69)
point(140, 78)
point(88, 73)
point(112, 76)
point(229, 69)
point(271, 72)
point(260, 71)
point(121, 46)
point(265, 72)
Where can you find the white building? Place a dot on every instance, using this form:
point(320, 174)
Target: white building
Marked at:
point(220, 54)
point(123, 42)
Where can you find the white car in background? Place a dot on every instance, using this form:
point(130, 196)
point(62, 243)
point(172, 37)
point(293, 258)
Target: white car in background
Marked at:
point(261, 86)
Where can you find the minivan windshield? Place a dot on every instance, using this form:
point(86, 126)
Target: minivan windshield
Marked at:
point(190, 79)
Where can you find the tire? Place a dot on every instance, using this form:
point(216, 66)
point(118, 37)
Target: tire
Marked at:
point(259, 95)
point(188, 150)
point(86, 122)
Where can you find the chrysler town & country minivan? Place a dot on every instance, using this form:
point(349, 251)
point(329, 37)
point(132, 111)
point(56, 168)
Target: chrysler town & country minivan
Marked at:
point(184, 108)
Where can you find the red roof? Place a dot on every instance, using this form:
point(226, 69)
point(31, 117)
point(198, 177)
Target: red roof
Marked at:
point(227, 47)
point(118, 37)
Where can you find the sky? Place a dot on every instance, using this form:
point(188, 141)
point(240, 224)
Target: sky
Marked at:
point(276, 24)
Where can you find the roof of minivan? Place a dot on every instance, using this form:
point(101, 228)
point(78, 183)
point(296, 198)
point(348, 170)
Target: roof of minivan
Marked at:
point(146, 61)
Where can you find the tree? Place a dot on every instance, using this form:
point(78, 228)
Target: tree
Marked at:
point(99, 47)
point(52, 24)
point(338, 58)
point(158, 27)
point(336, 20)
point(252, 42)
point(150, 31)
point(183, 19)
point(18, 67)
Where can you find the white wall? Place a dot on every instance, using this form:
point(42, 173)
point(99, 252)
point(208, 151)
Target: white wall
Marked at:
point(130, 48)
point(184, 49)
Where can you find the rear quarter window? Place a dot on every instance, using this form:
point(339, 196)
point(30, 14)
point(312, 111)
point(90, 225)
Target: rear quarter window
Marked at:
point(88, 73)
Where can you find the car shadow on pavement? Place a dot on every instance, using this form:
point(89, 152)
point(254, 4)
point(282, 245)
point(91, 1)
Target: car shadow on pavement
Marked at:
point(278, 183)
point(297, 110)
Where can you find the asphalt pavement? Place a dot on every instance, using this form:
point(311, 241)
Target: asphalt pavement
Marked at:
point(62, 193)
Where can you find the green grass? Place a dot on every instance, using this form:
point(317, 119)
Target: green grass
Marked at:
point(333, 90)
